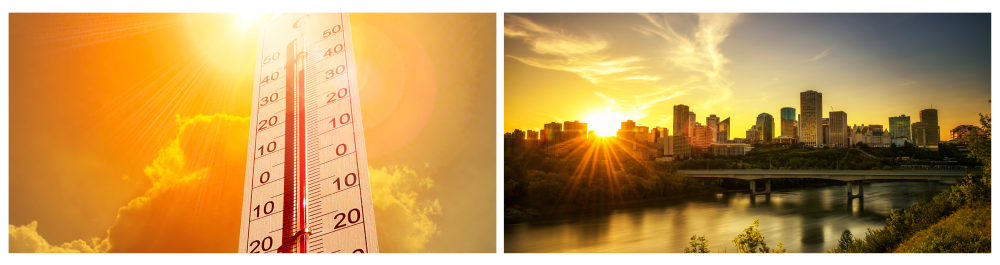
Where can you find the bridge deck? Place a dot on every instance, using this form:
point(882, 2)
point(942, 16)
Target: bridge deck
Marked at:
point(844, 175)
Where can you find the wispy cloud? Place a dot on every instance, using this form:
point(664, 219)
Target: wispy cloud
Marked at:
point(696, 55)
point(634, 81)
point(908, 83)
point(820, 55)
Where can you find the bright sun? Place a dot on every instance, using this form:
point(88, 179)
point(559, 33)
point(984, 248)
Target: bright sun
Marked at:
point(605, 123)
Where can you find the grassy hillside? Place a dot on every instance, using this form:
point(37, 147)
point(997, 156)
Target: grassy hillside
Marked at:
point(965, 231)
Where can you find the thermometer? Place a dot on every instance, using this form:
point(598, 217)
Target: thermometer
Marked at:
point(307, 188)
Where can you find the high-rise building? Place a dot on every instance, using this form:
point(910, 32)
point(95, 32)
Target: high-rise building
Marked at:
point(839, 136)
point(765, 127)
point(826, 131)
point(723, 136)
point(681, 120)
point(798, 130)
point(753, 135)
point(691, 121)
point(811, 121)
point(552, 132)
point(789, 124)
point(659, 133)
point(573, 130)
point(627, 130)
point(679, 147)
point(713, 123)
point(899, 127)
point(532, 135)
point(701, 138)
point(642, 134)
point(926, 133)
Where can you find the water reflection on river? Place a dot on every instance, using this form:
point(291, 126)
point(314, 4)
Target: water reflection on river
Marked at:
point(805, 219)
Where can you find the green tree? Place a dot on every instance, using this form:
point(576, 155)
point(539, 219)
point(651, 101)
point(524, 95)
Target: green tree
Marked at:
point(846, 239)
point(752, 241)
point(698, 245)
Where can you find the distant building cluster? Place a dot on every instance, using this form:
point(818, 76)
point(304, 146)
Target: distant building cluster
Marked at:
point(553, 133)
point(806, 128)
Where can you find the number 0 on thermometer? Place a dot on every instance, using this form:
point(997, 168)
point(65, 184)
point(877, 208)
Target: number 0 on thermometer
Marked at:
point(307, 187)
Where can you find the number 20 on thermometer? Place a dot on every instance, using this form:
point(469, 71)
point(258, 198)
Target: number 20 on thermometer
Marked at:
point(307, 188)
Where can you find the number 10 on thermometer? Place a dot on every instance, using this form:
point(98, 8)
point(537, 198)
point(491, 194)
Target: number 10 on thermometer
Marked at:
point(307, 188)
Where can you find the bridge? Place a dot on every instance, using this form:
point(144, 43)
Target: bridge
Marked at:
point(850, 176)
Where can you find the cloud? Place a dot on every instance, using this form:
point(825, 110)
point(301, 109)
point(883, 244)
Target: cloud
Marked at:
point(204, 163)
point(25, 239)
point(194, 201)
point(695, 59)
point(586, 56)
point(682, 64)
point(820, 55)
point(908, 83)
point(402, 218)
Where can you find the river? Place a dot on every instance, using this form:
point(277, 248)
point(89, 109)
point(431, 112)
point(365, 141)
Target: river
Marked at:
point(806, 219)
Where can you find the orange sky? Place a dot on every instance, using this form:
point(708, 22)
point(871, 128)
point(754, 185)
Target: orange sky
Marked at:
point(606, 68)
point(128, 131)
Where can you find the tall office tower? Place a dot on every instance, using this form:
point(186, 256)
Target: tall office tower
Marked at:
point(723, 136)
point(899, 127)
point(826, 131)
point(839, 136)
point(926, 133)
point(713, 123)
point(552, 132)
point(788, 122)
point(811, 121)
point(574, 129)
point(681, 120)
point(765, 127)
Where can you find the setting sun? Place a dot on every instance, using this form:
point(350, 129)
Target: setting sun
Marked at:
point(605, 123)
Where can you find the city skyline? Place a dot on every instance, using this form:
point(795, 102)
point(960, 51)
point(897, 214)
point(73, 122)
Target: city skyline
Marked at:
point(607, 68)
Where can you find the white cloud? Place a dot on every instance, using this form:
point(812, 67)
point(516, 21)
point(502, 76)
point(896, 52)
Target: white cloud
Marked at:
point(821, 55)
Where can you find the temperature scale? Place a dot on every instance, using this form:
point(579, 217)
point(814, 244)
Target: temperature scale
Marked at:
point(307, 188)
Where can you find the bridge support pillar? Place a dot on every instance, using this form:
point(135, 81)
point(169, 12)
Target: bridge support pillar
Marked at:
point(850, 190)
point(753, 189)
point(767, 187)
point(861, 189)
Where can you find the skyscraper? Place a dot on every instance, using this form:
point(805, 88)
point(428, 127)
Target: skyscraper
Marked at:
point(765, 126)
point(681, 120)
point(839, 131)
point(692, 119)
point(713, 123)
point(724, 131)
point(811, 122)
point(789, 123)
point(574, 129)
point(899, 127)
point(926, 133)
